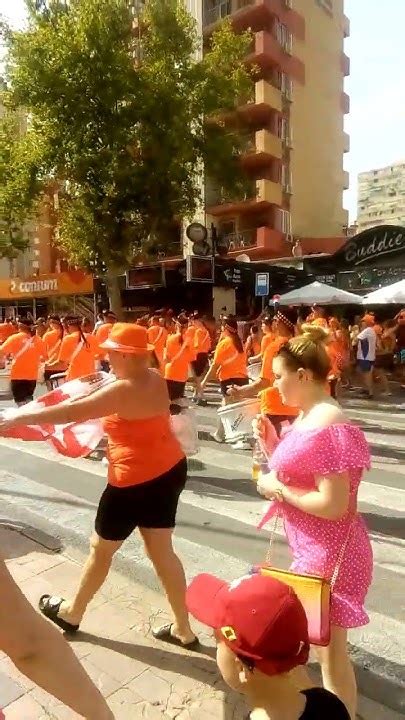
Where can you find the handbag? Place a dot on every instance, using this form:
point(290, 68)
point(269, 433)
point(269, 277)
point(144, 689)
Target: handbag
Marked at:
point(313, 591)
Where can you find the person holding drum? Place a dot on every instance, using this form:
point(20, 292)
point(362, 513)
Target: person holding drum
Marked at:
point(202, 347)
point(157, 336)
point(78, 351)
point(271, 404)
point(268, 336)
point(177, 358)
point(27, 351)
point(229, 365)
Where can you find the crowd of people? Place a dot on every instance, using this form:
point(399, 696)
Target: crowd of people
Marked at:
point(314, 468)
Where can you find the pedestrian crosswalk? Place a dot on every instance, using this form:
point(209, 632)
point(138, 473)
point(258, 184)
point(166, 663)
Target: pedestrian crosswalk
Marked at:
point(219, 513)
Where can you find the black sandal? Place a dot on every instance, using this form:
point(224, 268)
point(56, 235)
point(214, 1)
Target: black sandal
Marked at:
point(165, 633)
point(49, 606)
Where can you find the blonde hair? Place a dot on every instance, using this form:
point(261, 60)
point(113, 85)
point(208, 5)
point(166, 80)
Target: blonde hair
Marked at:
point(308, 351)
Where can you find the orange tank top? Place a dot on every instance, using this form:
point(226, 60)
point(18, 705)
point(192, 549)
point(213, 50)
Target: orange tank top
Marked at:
point(140, 450)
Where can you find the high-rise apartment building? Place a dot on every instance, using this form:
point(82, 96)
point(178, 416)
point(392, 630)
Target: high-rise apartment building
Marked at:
point(381, 197)
point(295, 123)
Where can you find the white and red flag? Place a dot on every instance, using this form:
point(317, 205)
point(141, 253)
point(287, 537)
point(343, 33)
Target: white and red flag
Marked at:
point(73, 440)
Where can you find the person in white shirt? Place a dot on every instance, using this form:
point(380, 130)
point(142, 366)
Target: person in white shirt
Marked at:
point(366, 352)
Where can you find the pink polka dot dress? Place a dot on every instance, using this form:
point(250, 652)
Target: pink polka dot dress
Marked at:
point(300, 456)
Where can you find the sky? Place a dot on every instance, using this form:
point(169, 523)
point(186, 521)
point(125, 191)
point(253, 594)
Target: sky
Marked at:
point(376, 48)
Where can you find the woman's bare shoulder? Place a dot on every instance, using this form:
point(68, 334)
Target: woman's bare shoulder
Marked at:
point(326, 413)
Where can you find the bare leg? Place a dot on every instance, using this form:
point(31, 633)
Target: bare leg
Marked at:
point(337, 670)
point(170, 571)
point(94, 573)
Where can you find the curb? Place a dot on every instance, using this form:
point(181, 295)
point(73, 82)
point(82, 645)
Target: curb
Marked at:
point(379, 680)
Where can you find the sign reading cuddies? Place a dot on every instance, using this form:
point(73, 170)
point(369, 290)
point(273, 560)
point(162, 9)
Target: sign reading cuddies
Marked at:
point(262, 284)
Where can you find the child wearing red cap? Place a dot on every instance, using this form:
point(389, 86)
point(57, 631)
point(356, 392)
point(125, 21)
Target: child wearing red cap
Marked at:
point(262, 635)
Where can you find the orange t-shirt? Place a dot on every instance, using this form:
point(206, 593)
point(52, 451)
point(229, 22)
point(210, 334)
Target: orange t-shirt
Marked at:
point(230, 362)
point(6, 330)
point(202, 340)
point(157, 336)
point(25, 365)
point(266, 340)
point(81, 361)
point(270, 398)
point(140, 450)
point(101, 336)
point(178, 356)
point(52, 341)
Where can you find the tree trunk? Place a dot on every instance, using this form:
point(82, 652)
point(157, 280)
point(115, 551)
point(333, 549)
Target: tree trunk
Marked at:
point(114, 295)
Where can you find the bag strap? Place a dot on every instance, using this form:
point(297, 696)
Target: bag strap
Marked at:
point(29, 343)
point(340, 557)
point(78, 348)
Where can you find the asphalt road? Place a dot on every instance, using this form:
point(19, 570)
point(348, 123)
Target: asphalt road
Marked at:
point(217, 525)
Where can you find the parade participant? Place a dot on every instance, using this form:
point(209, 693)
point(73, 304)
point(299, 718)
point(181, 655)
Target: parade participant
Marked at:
point(27, 351)
point(40, 327)
point(252, 344)
point(157, 336)
point(78, 351)
point(271, 404)
point(102, 333)
point(6, 329)
point(52, 341)
point(87, 325)
point(397, 332)
point(41, 654)
point(147, 472)
point(99, 321)
point(366, 353)
point(202, 347)
point(228, 364)
point(318, 317)
point(177, 359)
point(315, 472)
point(262, 637)
point(267, 338)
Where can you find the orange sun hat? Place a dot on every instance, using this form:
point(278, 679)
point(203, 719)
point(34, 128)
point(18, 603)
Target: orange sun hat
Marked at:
point(127, 338)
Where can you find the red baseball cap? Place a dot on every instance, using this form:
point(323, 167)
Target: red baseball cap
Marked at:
point(260, 619)
point(127, 338)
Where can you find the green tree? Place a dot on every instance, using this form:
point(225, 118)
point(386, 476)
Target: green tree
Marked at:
point(121, 113)
point(19, 183)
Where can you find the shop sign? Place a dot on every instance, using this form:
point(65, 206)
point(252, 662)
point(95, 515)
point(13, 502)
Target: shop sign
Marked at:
point(145, 276)
point(262, 284)
point(371, 247)
point(199, 269)
point(330, 279)
point(66, 283)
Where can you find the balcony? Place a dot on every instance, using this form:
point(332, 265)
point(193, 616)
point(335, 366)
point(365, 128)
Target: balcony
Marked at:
point(262, 148)
point(265, 194)
point(346, 180)
point(268, 55)
point(345, 103)
point(240, 240)
point(253, 14)
point(265, 100)
point(345, 64)
point(346, 142)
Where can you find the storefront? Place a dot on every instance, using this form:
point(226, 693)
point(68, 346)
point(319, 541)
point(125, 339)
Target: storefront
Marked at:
point(45, 293)
point(367, 261)
point(204, 285)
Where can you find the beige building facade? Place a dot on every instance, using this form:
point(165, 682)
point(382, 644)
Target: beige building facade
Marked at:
point(381, 197)
point(295, 119)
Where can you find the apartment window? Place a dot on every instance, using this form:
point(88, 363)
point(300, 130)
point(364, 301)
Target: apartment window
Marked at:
point(284, 37)
point(285, 221)
point(326, 5)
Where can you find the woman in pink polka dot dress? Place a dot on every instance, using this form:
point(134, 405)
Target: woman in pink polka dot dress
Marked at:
point(315, 472)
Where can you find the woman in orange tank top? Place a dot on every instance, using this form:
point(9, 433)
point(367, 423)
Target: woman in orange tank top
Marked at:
point(147, 473)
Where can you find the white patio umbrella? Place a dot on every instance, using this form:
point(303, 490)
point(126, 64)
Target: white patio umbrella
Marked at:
point(320, 294)
point(391, 294)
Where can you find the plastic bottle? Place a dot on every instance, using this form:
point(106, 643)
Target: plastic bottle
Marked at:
point(259, 462)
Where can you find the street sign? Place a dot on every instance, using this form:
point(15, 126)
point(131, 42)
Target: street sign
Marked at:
point(262, 284)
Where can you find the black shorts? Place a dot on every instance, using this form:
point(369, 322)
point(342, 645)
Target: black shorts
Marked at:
point(175, 389)
point(23, 390)
point(226, 384)
point(151, 504)
point(200, 364)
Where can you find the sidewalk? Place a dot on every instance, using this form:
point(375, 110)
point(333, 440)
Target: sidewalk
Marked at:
point(141, 677)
